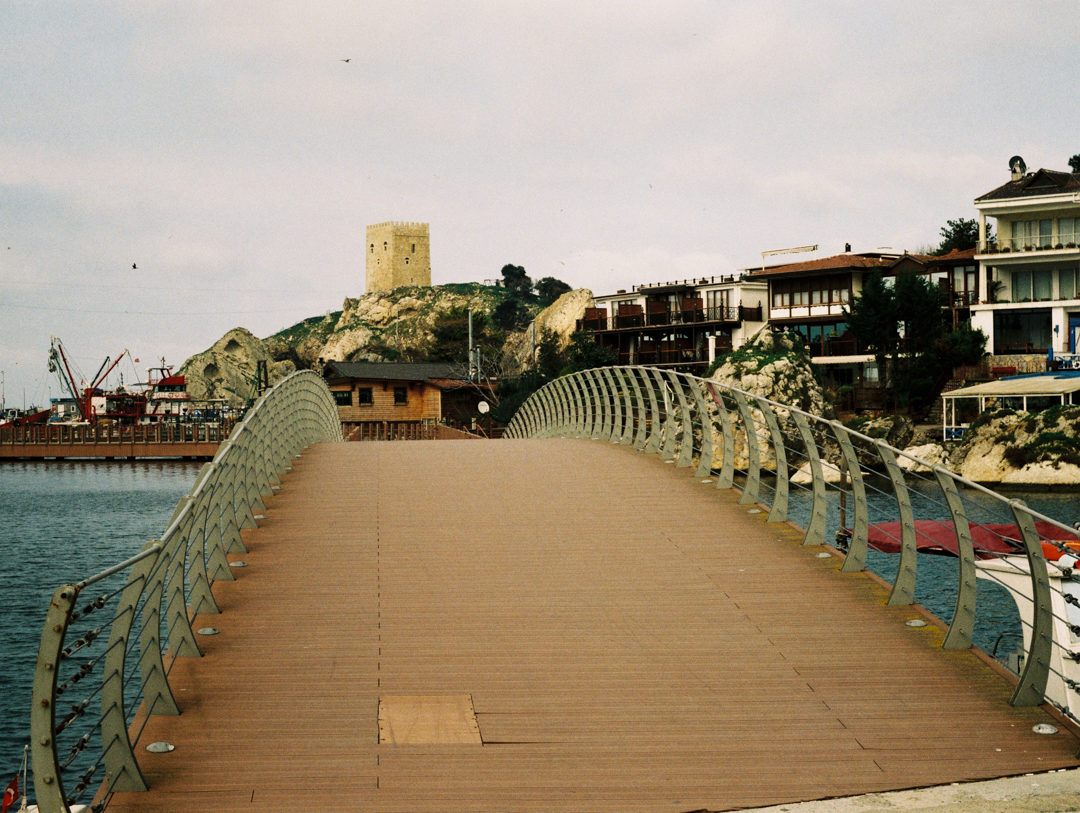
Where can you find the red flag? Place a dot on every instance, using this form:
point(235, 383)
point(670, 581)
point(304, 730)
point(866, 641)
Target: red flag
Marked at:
point(11, 795)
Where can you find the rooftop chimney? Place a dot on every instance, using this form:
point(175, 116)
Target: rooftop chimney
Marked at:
point(847, 248)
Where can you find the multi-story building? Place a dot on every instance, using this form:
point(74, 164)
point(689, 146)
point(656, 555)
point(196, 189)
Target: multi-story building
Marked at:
point(810, 298)
point(1030, 305)
point(683, 324)
point(398, 254)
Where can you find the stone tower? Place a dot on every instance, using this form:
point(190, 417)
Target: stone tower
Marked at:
point(397, 254)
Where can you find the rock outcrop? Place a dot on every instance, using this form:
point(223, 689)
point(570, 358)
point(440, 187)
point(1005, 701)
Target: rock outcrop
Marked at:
point(380, 326)
point(560, 317)
point(774, 366)
point(227, 369)
point(1003, 446)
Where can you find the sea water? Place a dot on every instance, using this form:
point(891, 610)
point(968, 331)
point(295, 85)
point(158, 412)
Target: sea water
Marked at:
point(62, 521)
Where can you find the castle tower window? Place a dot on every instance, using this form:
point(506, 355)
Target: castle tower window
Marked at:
point(414, 248)
point(384, 246)
point(406, 261)
point(372, 248)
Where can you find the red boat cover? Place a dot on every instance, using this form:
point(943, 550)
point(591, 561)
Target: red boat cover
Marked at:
point(932, 536)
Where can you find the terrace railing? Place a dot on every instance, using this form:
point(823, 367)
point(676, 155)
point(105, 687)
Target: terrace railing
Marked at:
point(105, 654)
point(838, 483)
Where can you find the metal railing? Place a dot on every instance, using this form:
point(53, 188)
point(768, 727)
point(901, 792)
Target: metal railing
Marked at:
point(1031, 242)
point(661, 318)
point(115, 646)
point(836, 482)
point(98, 435)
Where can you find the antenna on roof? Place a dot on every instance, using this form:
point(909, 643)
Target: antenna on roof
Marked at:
point(1017, 167)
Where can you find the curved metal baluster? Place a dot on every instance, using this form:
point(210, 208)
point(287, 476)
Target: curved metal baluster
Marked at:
point(615, 383)
point(778, 509)
point(652, 445)
point(753, 469)
point(640, 411)
point(903, 589)
point(705, 461)
point(577, 388)
point(1031, 690)
point(726, 477)
point(856, 554)
point(686, 438)
point(667, 450)
point(815, 529)
point(607, 422)
point(963, 620)
point(122, 772)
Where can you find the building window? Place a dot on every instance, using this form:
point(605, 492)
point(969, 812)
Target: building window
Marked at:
point(372, 248)
point(1067, 283)
point(363, 396)
point(401, 395)
point(343, 399)
point(718, 302)
point(406, 261)
point(1067, 230)
point(414, 248)
point(384, 245)
point(1029, 233)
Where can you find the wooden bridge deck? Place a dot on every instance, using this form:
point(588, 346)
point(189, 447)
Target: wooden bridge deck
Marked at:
point(629, 638)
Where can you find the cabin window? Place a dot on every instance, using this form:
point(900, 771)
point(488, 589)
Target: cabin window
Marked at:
point(401, 395)
point(343, 399)
point(363, 396)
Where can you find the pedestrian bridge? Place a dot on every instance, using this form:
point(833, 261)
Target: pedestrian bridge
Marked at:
point(537, 623)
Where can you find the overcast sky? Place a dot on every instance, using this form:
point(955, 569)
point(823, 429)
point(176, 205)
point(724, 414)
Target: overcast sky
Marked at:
point(229, 152)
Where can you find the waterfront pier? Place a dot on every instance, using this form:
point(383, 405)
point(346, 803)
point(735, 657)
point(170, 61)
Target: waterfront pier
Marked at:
point(558, 625)
point(62, 441)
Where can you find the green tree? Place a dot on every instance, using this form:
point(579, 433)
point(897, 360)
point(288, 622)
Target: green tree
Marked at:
point(450, 336)
point(515, 390)
point(583, 353)
point(960, 235)
point(517, 282)
point(901, 324)
point(872, 319)
point(510, 315)
point(549, 289)
point(1074, 163)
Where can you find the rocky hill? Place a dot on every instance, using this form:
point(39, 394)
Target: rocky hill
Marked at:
point(380, 326)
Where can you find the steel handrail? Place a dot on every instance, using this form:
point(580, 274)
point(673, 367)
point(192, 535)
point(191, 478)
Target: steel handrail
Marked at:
point(667, 407)
point(168, 582)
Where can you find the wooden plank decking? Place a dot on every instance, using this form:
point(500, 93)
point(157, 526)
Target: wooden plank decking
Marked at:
point(630, 639)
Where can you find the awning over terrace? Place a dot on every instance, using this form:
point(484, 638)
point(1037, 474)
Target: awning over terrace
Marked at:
point(1018, 391)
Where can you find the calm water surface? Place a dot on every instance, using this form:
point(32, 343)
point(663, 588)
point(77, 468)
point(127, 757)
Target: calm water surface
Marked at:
point(61, 521)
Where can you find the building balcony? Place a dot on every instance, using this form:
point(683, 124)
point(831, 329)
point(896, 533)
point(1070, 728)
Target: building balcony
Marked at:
point(733, 314)
point(1023, 245)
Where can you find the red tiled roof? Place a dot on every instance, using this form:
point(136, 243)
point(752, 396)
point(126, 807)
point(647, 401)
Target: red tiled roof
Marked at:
point(837, 263)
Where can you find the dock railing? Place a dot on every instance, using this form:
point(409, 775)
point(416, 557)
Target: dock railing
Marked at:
point(836, 483)
point(112, 648)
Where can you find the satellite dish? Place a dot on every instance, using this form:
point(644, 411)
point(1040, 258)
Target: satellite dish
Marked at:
point(483, 407)
point(1016, 164)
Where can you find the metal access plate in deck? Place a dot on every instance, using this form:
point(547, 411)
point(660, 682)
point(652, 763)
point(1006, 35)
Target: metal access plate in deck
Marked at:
point(631, 640)
point(425, 720)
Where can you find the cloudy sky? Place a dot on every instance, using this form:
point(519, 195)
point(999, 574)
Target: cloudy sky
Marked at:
point(229, 152)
